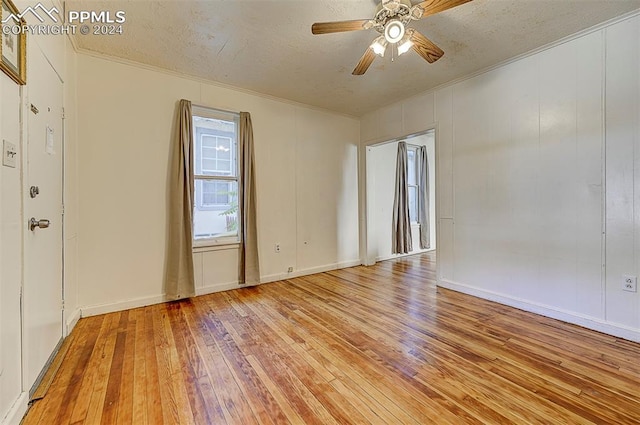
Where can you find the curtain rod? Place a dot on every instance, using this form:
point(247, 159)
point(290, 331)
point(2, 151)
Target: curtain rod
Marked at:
point(217, 109)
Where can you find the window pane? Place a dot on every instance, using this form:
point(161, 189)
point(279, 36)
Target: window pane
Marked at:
point(215, 147)
point(208, 165)
point(216, 210)
point(411, 166)
point(224, 154)
point(413, 204)
point(208, 141)
point(215, 193)
point(223, 167)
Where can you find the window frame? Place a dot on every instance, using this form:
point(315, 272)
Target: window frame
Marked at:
point(216, 114)
point(414, 149)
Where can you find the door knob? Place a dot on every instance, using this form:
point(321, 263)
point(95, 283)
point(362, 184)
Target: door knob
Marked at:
point(33, 223)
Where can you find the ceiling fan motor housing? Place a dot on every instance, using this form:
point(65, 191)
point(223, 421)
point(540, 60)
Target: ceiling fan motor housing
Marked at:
point(391, 5)
point(398, 10)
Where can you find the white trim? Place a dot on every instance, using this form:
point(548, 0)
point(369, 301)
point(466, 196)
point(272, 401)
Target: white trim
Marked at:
point(379, 141)
point(98, 309)
point(396, 256)
point(208, 245)
point(305, 272)
point(216, 241)
point(17, 411)
point(366, 180)
point(72, 321)
point(219, 287)
point(588, 322)
point(603, 177)
point(369, 179)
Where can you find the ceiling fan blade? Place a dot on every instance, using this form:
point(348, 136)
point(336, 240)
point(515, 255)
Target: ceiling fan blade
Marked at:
point(365, 61)
point(339, 26)
point(431, 7)
point(425, 47)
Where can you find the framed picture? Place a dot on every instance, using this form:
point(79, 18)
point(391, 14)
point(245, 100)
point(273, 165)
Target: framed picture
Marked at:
point(13, 43)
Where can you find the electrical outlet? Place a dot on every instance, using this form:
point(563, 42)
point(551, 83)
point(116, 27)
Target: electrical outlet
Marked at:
point(630, 283)
point(276, 248)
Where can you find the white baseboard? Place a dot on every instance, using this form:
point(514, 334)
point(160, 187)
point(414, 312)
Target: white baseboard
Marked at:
point(391, 257)
point(17, 411)
point(588, 322)
point(320, 269)
point(72, 321)
point(218, 287)
point(96, 310)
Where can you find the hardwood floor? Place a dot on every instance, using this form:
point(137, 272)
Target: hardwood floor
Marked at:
point(376, 345)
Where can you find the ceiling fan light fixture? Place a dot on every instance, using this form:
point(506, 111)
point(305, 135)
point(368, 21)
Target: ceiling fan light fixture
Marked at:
point(394, 31)
point(379, 46)
point(404, 45)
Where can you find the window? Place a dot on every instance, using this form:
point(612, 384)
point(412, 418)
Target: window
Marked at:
point(412, 182)
point(215, 216)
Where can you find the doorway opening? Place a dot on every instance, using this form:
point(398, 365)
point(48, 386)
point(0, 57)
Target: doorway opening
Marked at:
point(380, 189)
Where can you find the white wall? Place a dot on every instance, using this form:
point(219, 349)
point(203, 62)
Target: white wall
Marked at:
point(521, 177)
point(622, 169)
point(306, 166)
point(381, 160)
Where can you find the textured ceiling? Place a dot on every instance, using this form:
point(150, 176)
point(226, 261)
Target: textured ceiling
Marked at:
point(267, 46)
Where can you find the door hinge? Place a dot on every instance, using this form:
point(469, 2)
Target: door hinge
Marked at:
point(63, 115)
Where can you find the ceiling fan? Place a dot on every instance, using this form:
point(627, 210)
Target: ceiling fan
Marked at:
point(391, 20)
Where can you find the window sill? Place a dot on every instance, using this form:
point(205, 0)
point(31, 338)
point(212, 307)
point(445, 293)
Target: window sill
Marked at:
point(214, 246)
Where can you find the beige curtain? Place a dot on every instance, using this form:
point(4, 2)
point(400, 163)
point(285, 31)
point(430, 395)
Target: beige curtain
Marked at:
point(401, 230)
point(423, 197)
point(249, 264)
point(179, 279)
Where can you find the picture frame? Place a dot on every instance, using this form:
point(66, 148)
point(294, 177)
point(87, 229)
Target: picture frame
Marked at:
point(13, 44)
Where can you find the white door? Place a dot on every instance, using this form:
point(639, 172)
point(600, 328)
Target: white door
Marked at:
point(42, 315)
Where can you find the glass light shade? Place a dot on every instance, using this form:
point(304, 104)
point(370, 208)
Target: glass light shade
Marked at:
point(379, 46)
point(394, 31)
point(404, 45)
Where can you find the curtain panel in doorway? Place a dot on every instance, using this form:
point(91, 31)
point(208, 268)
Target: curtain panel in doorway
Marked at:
point(401, 225)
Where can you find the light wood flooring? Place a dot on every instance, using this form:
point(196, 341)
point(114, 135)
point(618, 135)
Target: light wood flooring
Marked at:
point(365, 345)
